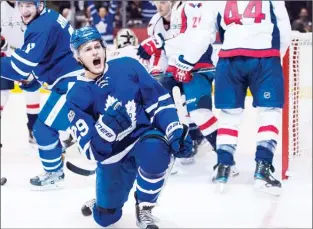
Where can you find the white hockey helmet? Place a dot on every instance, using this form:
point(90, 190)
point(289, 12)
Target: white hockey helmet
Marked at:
point(125, 37)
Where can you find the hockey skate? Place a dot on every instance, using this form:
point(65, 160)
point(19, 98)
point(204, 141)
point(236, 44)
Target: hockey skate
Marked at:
point(144, 217)
point(264, 181)
point(31, 138)
point(48, 180)
point(221, 175)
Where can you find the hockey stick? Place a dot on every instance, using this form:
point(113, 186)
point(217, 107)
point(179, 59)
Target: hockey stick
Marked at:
point(80, 171)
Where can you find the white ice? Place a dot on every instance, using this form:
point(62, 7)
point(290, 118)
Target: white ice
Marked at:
point(189, 199)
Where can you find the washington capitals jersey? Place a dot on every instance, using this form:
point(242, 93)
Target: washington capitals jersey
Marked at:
point(45, 53)
point(185, 18)
point(147, 103)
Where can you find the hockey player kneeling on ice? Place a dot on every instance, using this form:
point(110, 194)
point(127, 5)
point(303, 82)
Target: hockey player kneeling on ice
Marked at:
point(127, 122)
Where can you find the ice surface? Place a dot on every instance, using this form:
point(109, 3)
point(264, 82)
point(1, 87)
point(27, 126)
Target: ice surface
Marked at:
point(189, 199)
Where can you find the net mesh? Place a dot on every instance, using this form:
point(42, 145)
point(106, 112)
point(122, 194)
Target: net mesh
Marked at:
point(297, 124)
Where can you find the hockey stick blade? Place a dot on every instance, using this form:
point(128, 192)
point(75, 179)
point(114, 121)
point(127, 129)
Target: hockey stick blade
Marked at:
point(181, 110)
point(75, 169)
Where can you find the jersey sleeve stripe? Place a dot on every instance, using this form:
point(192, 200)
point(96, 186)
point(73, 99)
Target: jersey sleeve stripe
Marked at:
point(24, 61)
point(155, 105)
point(19, 71)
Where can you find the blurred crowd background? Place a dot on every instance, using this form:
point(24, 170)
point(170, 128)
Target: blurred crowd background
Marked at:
point(136, 14)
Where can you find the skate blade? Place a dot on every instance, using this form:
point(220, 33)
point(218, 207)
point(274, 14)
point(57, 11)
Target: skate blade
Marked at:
point(174, 172)
point(260, 185)
point(220, 187)
point(189, 161)
point(49, 187)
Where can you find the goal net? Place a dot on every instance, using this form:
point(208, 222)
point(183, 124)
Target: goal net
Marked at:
point(297, 112)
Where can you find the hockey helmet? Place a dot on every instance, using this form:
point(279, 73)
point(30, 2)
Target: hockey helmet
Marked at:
point(125, 37)
point(84, 35)
point(36, 2)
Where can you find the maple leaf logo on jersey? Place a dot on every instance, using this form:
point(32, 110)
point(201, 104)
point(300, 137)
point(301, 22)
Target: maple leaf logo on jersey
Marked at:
point(131, 111)
point(195, 5)
point(109, 102)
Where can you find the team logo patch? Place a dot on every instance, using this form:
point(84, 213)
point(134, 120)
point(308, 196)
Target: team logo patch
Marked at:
point(71, 115)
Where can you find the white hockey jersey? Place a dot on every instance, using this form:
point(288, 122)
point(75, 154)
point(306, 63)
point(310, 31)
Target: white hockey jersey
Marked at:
point(12, 27)
point(252, 28)
point(159, 60)
point(185, 18)
point(127, 51)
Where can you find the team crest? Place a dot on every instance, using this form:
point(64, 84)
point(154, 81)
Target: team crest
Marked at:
point(131, 111)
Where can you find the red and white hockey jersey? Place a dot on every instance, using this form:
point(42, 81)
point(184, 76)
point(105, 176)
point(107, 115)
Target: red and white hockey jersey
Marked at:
point(185, 18)
point(159, 60)
point(12, 27)
point(252, 28)
point(127, 51)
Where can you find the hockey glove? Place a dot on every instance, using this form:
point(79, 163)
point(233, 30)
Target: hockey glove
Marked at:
point(150, 46)
point(181, 147)
point(90, 144)
point(30, 84)
point(182, 70)
point(3, 44)
point(114, 121)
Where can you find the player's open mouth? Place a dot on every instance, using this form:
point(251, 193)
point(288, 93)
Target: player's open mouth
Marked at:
point(27, 17)
point(97, 62)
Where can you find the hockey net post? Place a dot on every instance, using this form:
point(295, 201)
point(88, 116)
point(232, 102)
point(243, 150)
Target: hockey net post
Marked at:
point(297, 111)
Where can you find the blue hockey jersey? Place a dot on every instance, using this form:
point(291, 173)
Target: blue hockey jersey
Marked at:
point(125, 80)
point(105, 25)
point(148, 10)
point(45, 53)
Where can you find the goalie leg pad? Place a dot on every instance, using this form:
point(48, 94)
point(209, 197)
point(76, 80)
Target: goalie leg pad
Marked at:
point(106, 216)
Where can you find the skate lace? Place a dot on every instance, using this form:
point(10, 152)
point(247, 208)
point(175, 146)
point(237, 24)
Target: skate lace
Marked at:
point(146, 216)
point(223, 170)
point(46, 175)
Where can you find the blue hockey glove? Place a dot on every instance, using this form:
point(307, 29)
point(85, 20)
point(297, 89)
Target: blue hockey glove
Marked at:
point(114, 121)
point(30, 84)
point(181, 147)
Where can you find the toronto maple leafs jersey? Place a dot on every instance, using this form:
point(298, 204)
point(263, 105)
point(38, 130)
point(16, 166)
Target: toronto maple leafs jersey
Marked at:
point(148, 105)
point(45, 53)
point(105, 25)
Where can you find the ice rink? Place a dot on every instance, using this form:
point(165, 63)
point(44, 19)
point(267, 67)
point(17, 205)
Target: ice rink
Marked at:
point(189, 199)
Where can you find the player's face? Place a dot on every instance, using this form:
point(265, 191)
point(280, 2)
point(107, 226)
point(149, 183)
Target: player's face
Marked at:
point(163, 7)
point(92, 55)
point(28, 11)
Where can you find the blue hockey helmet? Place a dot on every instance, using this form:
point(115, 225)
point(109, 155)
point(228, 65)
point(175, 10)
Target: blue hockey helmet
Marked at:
point(84, 35)
point(36, 2)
